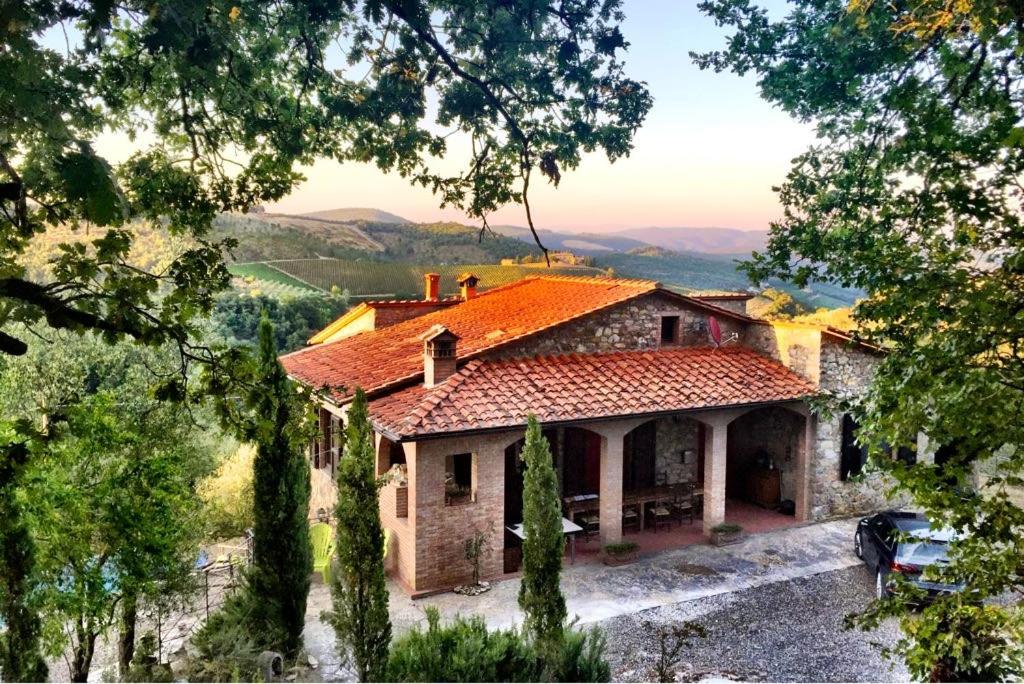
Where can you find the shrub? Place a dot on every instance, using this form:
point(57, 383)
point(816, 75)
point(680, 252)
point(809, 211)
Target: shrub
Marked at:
point(461, 651)
point(727, 528)
point(465, 651)
point(225, 651)
point(621, 548)
point(228, 495)
point(583, 657)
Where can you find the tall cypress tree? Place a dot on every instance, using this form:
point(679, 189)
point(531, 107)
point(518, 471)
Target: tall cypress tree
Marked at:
point(21, 659)
point(359, 592)
point(540, 594)
point(282, 558)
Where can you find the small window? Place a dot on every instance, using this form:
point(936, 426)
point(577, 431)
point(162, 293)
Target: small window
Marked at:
point(670, 329)
point(852, 456)
point(458, 479)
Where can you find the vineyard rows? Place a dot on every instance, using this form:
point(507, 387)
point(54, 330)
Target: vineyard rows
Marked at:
point(390, 279)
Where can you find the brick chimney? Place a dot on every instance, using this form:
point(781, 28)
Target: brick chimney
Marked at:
point(439, 357)
point(467, 284)
point(432, 287)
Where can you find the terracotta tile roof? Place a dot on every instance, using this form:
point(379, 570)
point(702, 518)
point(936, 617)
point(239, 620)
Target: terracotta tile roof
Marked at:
point(391, 356)
point(409, 308)
point(498, 394)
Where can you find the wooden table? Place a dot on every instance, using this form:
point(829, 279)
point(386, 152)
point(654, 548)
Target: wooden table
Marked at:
point(651, 494)
point(569, 529)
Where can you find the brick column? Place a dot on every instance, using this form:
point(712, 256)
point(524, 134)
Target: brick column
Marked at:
point(611, 488)
point(804, 458)
point(715, 441)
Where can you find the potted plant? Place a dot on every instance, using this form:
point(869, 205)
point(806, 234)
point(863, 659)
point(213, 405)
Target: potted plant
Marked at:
point(476, 547)
point(726, 533)
point(620, 553)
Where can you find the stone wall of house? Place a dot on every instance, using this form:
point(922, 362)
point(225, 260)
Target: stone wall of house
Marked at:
point(676, 449)
point(796, 347)
point(635, 324)
point(845, 371)
point(775, 430)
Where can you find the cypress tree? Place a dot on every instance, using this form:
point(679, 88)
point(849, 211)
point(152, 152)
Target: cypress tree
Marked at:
point(358, 589)
point(540, 594)
point(21, 659)
point(282, 558)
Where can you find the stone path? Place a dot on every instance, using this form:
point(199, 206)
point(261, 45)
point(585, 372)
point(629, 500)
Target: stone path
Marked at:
point(595, 593)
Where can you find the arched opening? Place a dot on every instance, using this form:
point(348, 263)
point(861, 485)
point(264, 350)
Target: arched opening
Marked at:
point(764, 446)
point(514, 467)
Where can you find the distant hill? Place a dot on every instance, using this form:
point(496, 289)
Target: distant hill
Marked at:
point(589, 244)
point(703, 240)
point(349, 214)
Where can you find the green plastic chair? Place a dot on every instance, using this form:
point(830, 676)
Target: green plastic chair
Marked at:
point(321, 536)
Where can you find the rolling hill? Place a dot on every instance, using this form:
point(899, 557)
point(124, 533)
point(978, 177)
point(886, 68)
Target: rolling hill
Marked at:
point(702, 240)
point(348, 215)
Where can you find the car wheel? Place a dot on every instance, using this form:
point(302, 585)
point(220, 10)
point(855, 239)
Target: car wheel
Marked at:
point(881, 590)
point(858, 545)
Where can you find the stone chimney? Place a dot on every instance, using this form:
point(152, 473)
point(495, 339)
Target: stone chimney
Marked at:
point(432, 287)
point(467, 284)
point(439, 357)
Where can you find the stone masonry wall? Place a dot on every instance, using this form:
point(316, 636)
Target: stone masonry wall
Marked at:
point(845, 372)
point(796, 347)
point(676, 448)
point(631, 325)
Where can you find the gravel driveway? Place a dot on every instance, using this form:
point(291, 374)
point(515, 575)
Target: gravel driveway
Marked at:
point(786, 631)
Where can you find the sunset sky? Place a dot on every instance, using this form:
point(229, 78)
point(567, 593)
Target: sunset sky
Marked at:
point(708, 154)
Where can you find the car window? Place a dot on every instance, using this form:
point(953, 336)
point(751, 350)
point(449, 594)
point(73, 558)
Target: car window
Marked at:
point(884, 530)
point(922, 552)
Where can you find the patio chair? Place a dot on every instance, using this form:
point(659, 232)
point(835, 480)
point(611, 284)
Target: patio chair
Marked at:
point(661, 514)
point(682, 503)
point(321, 538)
point(590, 521)
point(631, 517)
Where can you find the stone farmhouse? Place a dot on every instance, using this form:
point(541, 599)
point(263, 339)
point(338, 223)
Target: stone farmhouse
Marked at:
point(638, 389)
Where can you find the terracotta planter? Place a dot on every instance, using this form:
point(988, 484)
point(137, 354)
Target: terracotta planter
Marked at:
point(726, 538)
point(620, 558)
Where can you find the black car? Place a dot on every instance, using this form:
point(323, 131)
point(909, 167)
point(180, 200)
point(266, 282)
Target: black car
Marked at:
point(904, 543)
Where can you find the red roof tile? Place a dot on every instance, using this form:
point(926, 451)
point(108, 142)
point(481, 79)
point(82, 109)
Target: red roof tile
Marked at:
point(499, 394)
point(387, 357)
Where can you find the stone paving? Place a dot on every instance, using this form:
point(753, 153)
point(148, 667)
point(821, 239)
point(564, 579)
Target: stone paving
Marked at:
point(596, 593)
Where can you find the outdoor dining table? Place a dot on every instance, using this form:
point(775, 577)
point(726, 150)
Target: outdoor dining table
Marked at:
point(569, 529)
point(648, 495)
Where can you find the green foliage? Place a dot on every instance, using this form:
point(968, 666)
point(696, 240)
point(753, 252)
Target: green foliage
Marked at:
point(110, 494)
point(375, 279)
point(145, 667)
point(476, 546)
point(234, 101)
point(21, 658)
point(225, 648)
point(776, 305)
point(727, 528)
point(279, 578)
point(359, 592)
point(540, 594)
point(912, 194)
point(295, 319)
point(621, 548)
point(462, 650)
point(227, 495)
point(262, 271)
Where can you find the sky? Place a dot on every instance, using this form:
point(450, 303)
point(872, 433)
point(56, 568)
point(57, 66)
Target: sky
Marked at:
point(708, 154)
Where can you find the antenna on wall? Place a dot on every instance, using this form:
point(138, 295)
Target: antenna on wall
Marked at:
point(716, 333)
